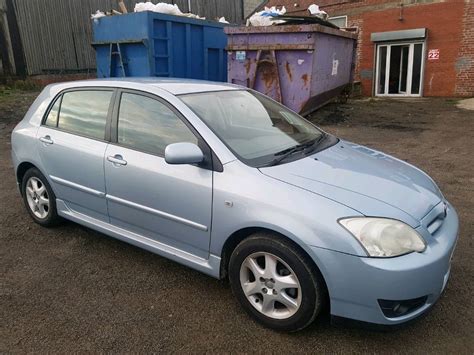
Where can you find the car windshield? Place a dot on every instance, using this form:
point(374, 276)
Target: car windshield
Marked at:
point(258, 130)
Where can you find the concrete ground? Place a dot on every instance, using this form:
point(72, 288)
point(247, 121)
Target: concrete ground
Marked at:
point(72, 289)
point(467, 104)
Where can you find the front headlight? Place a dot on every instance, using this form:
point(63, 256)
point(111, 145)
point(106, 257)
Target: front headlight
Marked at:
point(383, 237)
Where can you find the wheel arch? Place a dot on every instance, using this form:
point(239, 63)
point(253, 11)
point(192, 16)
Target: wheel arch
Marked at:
point(241, 234)
point(21, 170)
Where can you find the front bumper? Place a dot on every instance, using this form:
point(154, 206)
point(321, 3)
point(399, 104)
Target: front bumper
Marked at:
point(355, 284)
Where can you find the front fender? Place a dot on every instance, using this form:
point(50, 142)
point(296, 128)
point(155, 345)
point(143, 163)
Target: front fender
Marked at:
point(245, 198)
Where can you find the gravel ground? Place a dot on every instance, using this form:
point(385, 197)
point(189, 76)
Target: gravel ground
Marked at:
point(72, 289)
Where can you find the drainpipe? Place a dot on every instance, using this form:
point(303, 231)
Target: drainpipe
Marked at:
point(400, 18)
point(189, 6)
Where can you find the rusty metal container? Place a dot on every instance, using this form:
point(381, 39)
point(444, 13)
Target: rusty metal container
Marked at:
point(301, 66)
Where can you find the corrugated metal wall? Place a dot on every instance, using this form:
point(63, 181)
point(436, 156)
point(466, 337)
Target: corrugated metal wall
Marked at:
point(56, 34)
point(3, 26)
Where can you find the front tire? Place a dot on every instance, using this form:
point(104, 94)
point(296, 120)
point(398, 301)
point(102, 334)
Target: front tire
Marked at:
point(39, 198)
point(276, 283)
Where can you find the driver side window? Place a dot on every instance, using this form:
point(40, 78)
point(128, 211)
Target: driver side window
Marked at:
point(149, 125)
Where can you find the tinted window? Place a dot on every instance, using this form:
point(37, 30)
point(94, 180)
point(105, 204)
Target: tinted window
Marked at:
point(149, 125)
point(85, 112)
point(52, 119)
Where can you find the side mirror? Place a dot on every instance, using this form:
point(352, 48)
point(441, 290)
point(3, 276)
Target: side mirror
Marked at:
point(183, 153)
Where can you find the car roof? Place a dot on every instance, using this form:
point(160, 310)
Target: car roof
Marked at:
point(172, 85)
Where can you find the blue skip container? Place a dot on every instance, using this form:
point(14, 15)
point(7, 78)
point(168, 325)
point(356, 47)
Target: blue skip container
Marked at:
point(154, 44)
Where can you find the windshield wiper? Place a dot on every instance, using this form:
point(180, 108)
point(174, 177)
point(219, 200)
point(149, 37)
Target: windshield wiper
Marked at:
point(285, 153)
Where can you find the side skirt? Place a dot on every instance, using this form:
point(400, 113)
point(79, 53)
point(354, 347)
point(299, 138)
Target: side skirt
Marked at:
point(209, 266)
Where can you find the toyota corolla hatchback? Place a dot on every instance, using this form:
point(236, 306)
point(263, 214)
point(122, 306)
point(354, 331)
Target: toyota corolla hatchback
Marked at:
point(227, 181)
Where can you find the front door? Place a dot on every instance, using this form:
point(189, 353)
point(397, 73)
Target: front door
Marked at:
point(399, 69)
point(71, 143)
point(170, 204)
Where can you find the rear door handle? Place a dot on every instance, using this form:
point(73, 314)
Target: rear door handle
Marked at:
point(46, 140)
point(117, 159)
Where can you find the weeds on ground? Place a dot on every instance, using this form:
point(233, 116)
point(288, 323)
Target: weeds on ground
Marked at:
point(16, 86)
point(452, 101)
point(4, 91)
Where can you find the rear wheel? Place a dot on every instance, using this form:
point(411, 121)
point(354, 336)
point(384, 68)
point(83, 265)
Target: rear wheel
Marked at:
point(275, 283)
point(39, 198)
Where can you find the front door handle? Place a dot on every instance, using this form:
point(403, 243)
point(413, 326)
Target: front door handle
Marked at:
point(46, 140)
point(117, 159)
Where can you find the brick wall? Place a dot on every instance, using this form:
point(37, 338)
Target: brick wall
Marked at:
point(357, 22)
point(464, 64)
point(450, 29)
point(443, 21)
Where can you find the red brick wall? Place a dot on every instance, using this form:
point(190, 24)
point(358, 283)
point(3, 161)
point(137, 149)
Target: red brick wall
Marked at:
point(450, 29)
point(465, 62)
point(358, 23)
point(444, 24)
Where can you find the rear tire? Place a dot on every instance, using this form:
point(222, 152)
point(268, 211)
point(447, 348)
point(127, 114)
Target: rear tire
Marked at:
point(275, 282)
point(39, 198)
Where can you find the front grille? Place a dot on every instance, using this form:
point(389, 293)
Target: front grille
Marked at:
point(435, 225)
point(435, 218)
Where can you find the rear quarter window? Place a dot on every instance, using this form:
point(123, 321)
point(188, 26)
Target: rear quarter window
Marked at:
point(52, 119)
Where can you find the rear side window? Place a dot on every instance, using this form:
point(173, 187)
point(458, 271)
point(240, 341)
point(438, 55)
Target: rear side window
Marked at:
point(85, 112)
point(149, 125)
point(82, 112)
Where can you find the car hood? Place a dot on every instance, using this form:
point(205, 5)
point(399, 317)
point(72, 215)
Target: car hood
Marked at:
point(368, 181)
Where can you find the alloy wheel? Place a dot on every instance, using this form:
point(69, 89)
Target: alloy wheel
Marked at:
point(270, 285)
point(37, 197)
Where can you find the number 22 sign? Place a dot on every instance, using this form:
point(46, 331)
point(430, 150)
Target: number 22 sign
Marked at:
point(433, 54)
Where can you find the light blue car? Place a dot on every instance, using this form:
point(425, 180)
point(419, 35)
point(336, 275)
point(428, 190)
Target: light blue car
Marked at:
point(227, 181)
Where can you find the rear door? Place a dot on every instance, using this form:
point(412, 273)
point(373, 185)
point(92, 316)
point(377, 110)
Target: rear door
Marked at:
point(72, 144)
point(168, 203)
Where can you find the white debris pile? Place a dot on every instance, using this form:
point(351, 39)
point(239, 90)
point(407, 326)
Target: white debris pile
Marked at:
point(223, 20)
point(164, 8)
point(98, 14)
point(265, 17)
point(161, 7)
point(315, 11)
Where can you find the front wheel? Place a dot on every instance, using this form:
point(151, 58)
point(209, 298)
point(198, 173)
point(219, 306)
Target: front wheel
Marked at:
point(275, 282)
